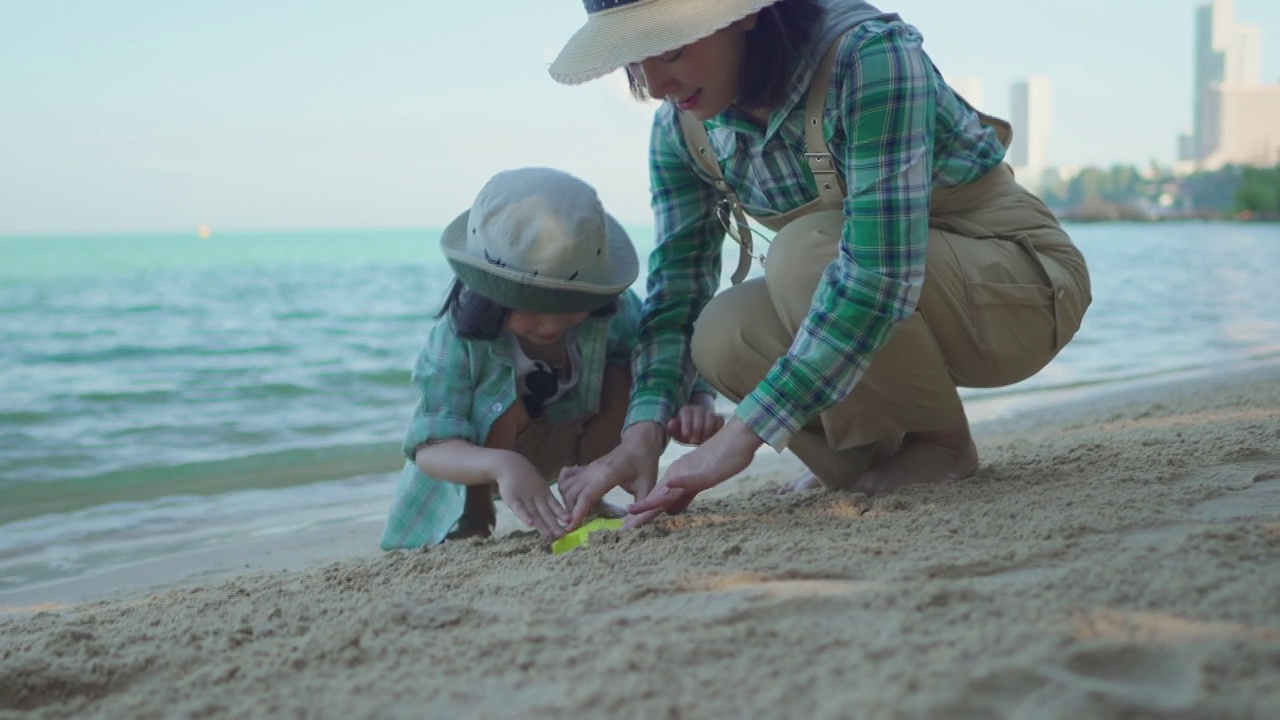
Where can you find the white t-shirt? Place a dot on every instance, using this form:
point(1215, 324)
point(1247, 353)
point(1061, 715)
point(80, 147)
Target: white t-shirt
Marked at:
point(524, 366)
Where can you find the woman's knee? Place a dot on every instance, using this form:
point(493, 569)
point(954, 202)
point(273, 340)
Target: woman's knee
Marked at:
point(797, 259)
point(713, 334)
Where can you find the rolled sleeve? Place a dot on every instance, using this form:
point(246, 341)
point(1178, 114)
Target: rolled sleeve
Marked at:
point(442, 378)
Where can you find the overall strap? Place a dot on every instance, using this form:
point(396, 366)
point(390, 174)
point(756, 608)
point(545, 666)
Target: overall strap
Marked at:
point(695, 136)
point(830, 186)
point(831, 189)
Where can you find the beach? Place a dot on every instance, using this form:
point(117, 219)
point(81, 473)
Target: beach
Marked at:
point(1114, 558)
point(164, 397)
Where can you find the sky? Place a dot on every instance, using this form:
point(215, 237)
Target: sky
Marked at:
point(159, 116)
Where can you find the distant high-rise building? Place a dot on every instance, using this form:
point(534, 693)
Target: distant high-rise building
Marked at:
point(1243, 59)
point(969, 88)
point(1249, 126)
point(1228, 58)
point(1187, 147)
point(1030, 108)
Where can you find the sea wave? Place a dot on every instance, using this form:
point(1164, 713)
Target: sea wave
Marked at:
point(143, 352)
point(281, 469)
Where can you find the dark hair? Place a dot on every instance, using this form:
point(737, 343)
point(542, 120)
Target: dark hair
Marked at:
point(476, 317)
point(769, 60)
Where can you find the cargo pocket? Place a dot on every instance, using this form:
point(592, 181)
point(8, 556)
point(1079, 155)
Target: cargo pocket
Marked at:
point(1008, 315)
point(1005, 311)
point(1013, 316)
point(992, 306)
point(983, 293)
point(1063, 331)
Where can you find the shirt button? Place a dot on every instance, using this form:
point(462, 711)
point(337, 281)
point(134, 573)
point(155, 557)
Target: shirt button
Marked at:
point(495, 407)
point(1061, 293)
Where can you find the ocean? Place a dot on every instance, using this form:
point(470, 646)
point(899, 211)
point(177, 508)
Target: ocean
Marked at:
point(163, 393)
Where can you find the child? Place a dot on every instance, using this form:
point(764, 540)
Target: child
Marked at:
point(528, 372)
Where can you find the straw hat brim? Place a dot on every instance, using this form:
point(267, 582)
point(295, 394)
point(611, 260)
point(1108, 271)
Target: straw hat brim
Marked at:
point(630, 33)
point(528, 292)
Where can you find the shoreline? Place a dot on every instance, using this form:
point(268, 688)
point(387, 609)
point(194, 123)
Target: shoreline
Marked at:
point(354, 539)
point(1113, 558)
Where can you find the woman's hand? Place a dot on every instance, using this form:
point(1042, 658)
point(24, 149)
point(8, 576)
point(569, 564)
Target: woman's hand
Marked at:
point(726, 454)
point(696, 422)
point(529, 497)
point(633, 466)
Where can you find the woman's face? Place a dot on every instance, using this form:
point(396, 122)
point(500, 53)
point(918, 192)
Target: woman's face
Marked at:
point(700, 78)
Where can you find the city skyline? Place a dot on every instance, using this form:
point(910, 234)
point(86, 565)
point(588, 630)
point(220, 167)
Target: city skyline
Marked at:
point(151, 116)
point(1031, 112)
point(1235, 112)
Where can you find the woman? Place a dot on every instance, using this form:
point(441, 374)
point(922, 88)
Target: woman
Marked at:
point(907, 261)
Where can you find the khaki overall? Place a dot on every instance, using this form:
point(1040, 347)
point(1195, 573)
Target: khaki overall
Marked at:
point(1005, 289)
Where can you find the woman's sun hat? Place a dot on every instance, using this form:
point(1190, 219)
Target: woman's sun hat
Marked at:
point(539, 240)
point(619, 32)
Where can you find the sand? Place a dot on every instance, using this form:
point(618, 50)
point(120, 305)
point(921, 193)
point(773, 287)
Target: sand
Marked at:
point(1116, 560)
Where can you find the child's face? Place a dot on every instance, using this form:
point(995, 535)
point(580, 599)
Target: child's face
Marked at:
point(543, 328)
point(702, 78)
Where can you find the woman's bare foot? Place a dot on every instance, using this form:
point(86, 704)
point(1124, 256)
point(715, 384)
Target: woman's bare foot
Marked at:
point(938, 457)
point(885, 449)
point(804, 482)
point(478, 514)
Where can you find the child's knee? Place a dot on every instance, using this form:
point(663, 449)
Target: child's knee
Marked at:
point(506, 430)
point(617, 383)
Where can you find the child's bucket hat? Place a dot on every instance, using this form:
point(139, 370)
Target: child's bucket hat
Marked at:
point(539, 240)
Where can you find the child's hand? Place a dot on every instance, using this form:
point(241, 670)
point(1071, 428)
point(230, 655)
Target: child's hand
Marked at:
point(696, 422)
point(530, 497)
point(632, 465)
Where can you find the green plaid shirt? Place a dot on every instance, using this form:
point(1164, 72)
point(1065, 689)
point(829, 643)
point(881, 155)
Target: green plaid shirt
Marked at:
point(462, 387)
point(897, 131)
